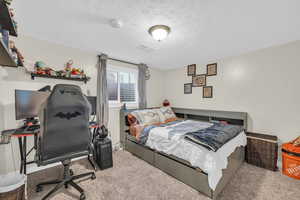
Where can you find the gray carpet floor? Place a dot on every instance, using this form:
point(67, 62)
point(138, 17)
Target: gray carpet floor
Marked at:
point(134, 179)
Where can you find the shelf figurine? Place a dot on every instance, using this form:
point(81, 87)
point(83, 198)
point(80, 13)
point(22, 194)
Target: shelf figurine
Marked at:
point(68, 68)
point(39, 67)
point(16, 55)
point(8, 2)
point(12, 14)
point(61, 73)
point(50, 71)
point(5, 36)
point(76, 73)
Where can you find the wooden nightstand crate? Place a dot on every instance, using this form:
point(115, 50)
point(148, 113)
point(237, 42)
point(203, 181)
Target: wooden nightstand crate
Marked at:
point(262, 150)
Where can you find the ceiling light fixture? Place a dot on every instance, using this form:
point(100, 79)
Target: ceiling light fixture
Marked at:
point(159, 32)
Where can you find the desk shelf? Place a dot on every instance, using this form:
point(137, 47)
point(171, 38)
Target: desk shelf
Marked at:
point(5, 19)
point(6, 22)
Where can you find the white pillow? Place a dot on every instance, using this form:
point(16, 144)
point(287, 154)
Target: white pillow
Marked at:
point(147, 117)
point(162, 118)
point(167, 113)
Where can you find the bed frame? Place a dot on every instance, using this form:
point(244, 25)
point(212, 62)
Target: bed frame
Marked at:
point(181, 169)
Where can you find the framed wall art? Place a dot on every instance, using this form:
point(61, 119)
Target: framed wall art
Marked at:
point(208, 92)
point(191, 70)
point(199, 80)
point(211, 69)
point(188, 88)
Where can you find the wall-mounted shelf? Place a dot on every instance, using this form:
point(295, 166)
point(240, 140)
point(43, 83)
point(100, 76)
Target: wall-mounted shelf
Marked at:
point(5, 19)
point(85, 80)
point(5, 57)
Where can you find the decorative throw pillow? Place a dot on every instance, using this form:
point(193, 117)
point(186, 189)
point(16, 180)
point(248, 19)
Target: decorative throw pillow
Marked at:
point(167, 113)
point(131, 119)
point(160, 114)
point(147, 117)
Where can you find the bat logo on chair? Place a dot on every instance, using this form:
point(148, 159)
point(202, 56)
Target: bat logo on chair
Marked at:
point(67, 115)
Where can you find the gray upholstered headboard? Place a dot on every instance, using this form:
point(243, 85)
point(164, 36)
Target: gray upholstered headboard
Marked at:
point(238, 118)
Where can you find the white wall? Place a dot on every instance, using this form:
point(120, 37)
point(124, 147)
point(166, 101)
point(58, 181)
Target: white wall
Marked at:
point(55, 55)
point(264, 83)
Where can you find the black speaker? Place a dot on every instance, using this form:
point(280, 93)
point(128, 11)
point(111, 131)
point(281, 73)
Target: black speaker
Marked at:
point(103, 153)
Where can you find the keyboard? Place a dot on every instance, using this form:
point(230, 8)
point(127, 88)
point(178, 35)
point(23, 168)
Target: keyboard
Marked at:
point(34, 127)
point(28, 130)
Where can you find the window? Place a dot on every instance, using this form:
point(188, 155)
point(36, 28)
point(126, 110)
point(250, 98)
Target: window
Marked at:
point(112, 86)
point(122, 85)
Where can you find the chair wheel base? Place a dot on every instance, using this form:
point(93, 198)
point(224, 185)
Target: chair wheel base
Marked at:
point(93, 177)
point(82, 196)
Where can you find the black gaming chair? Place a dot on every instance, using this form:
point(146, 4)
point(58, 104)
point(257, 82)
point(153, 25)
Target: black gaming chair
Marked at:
point(64, 134)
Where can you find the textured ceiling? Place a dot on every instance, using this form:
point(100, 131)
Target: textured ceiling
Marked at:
point(202, 30)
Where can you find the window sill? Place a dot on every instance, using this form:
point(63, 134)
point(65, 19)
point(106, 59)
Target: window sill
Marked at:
point(114, 105)
point(119, 105)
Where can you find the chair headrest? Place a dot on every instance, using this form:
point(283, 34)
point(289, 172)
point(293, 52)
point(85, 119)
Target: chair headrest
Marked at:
point(67, 89)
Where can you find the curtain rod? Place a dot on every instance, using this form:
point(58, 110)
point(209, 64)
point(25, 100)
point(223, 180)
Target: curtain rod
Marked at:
point(123, 61)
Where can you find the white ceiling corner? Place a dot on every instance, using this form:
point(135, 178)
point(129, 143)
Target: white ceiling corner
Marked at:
point(202, 30)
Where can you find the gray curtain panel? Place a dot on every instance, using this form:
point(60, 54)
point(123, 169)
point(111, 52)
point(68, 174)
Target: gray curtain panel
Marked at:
point(102, 93)
point(142, 85)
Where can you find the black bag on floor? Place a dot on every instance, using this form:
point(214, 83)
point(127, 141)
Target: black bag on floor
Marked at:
point(102, 149)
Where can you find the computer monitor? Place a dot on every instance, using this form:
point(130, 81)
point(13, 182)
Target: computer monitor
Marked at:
point(93, 102)
point(28, 103)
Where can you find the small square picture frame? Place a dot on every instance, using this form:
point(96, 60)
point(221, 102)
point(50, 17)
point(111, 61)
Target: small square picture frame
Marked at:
point(212, 69)
point(191, 70)
point(199, 80)
point(208, 92)
point(188, 88)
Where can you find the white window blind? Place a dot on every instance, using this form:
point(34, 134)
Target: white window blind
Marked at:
point(127, 87)
point(112, 86)
point(122, 85)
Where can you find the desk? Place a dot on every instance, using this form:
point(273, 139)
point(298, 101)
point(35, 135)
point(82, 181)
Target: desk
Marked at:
point(22, 135)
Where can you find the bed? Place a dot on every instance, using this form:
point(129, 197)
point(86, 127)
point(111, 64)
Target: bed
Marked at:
point(180, 168)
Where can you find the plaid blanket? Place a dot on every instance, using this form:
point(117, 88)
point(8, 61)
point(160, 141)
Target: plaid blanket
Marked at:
point(215, 136)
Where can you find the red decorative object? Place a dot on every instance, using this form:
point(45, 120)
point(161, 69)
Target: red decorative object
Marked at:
point(291, 160)
point(166, 102)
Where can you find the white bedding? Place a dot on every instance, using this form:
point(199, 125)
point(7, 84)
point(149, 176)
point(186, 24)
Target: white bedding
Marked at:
point(210, 162)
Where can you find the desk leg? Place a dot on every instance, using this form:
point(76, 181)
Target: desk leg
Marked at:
point(24, 154)
point(21, 154)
